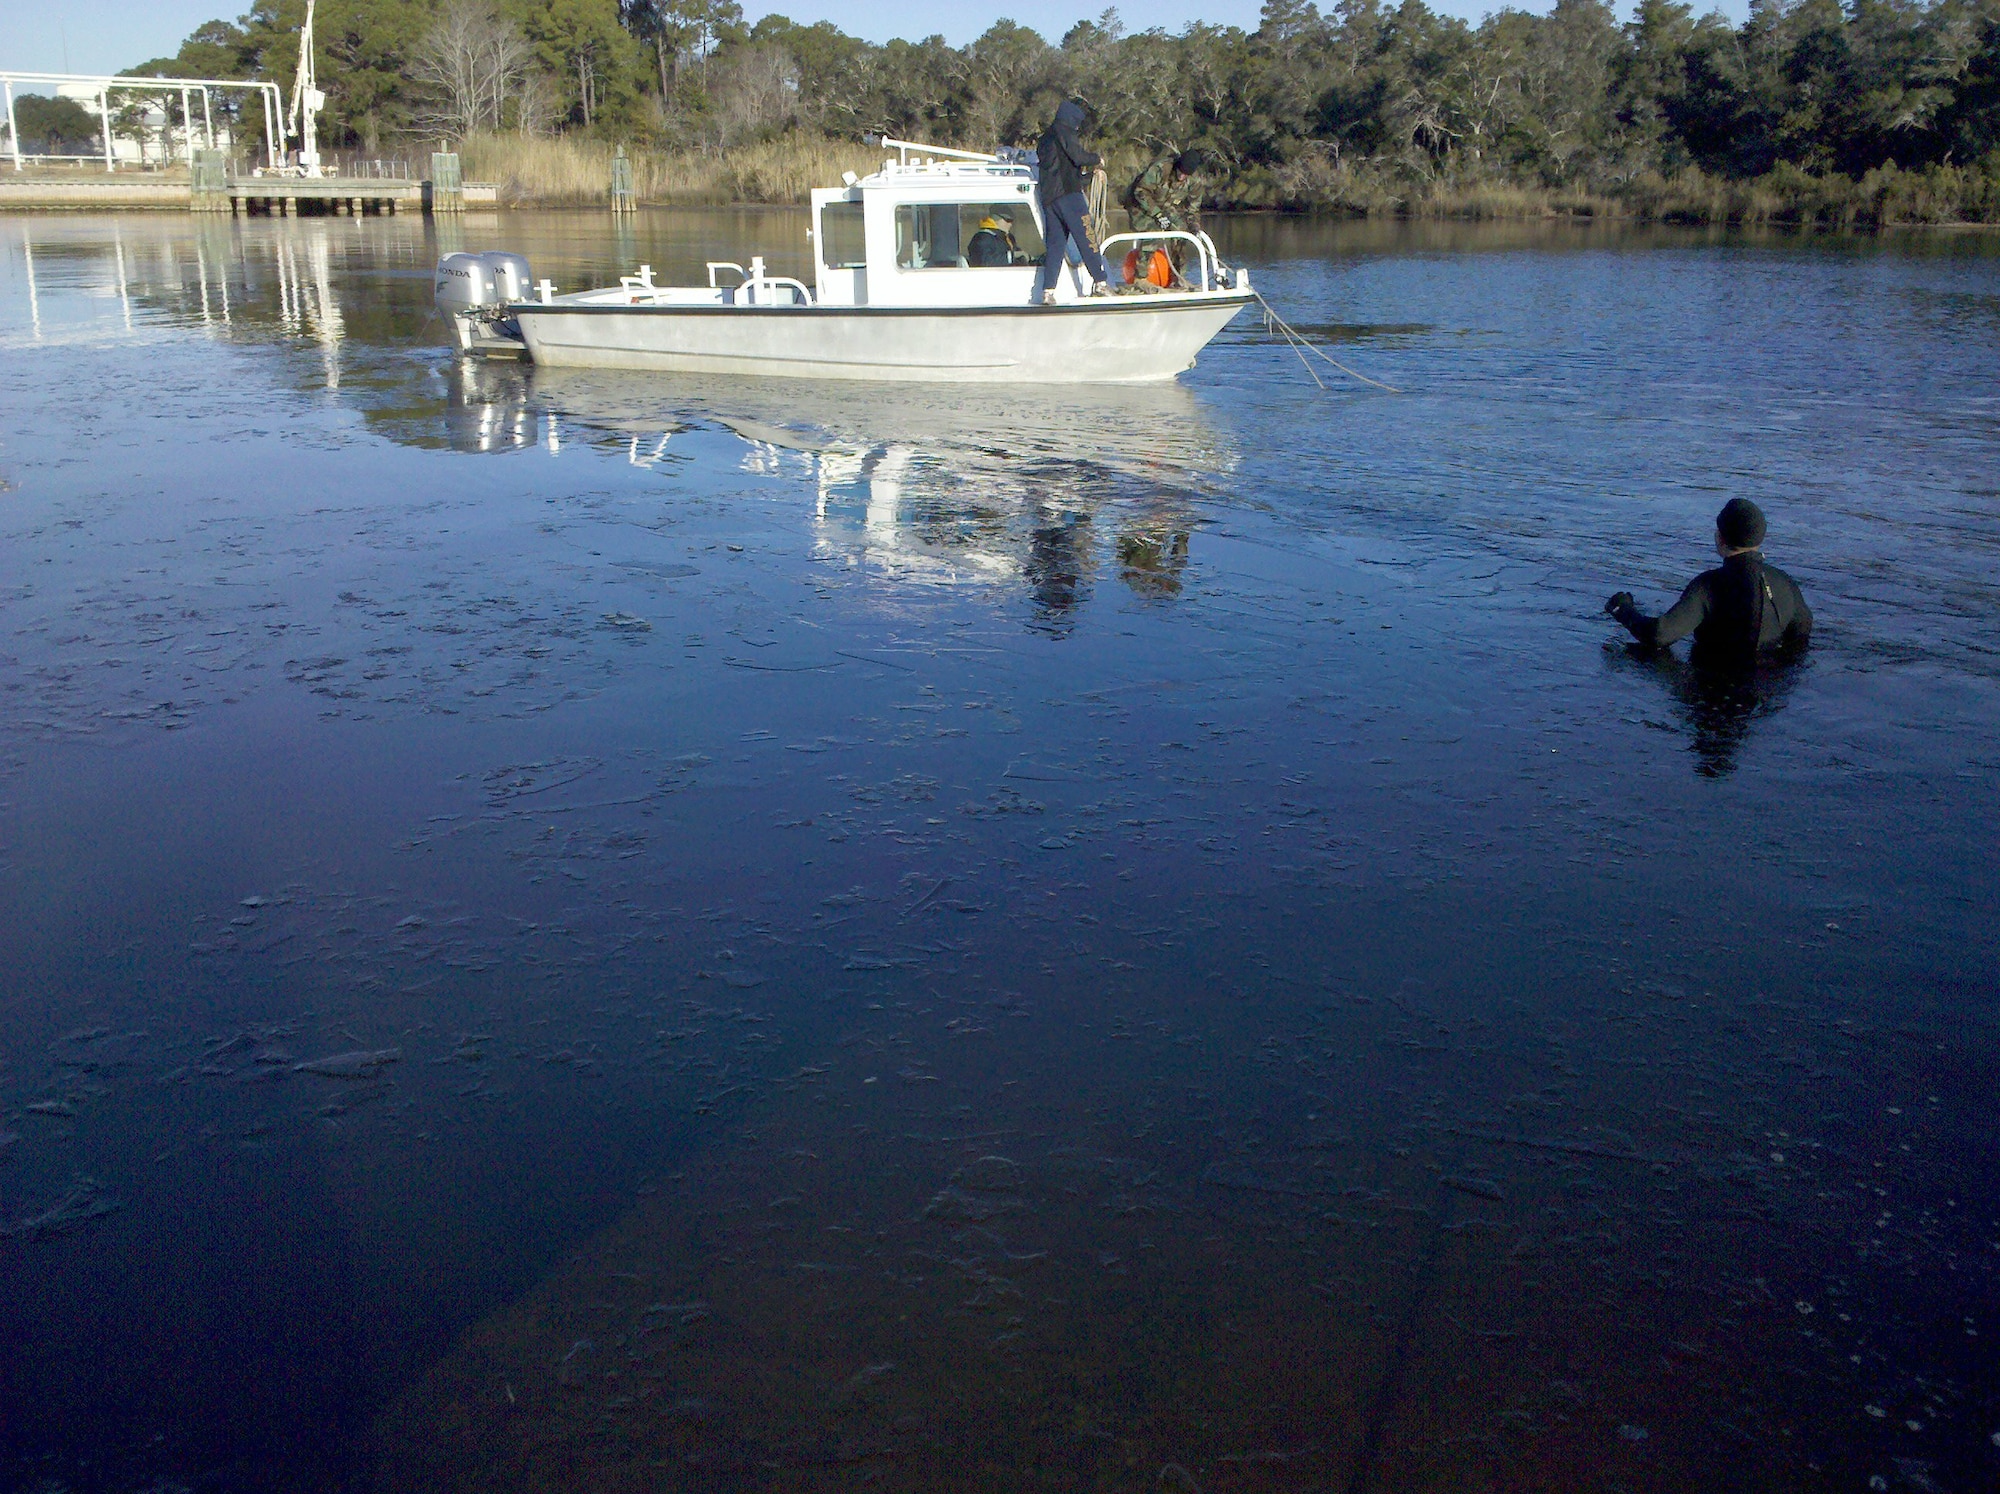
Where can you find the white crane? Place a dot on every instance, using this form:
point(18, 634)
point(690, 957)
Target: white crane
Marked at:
point(307, 100)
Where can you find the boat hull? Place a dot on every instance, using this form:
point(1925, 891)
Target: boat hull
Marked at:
point(1122, 339)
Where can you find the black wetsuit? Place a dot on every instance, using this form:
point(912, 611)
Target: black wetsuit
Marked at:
point(1741, 607)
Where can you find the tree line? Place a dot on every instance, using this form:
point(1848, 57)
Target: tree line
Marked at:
point(1308, 108)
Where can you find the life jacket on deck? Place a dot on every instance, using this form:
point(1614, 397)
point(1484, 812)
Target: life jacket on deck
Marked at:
point(1156, 269)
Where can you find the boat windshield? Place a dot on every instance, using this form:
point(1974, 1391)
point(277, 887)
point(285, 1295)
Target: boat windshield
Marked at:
point(966, 236)
point(842, 240)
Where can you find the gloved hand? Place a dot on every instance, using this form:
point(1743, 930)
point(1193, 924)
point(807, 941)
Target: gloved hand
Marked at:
point(1617, 602)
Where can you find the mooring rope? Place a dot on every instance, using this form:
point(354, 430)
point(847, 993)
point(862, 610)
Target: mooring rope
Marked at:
point(1301, 344)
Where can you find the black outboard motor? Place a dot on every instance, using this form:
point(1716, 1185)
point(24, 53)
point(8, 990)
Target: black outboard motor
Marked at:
point(474, 292)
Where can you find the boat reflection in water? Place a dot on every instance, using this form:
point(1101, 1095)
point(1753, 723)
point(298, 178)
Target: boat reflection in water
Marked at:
point(963, 486)
point(486, 410)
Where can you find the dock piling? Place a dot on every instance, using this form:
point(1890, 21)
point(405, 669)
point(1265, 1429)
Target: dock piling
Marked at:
point(622, 198)
point(447, 186)
point(208, 182)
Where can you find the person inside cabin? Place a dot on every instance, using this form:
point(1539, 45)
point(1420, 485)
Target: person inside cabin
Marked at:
point(1061, 166)
point(1736, 611)
point(993, 244)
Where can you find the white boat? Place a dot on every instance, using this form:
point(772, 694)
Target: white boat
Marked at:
point(927, 271)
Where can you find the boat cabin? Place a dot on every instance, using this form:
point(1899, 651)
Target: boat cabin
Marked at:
point(934, 227)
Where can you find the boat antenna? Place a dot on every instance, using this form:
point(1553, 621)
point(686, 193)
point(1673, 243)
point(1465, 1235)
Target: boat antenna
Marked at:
point(904, 147)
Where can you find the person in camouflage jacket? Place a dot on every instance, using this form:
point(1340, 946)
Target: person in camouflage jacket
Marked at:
point(1166, 194)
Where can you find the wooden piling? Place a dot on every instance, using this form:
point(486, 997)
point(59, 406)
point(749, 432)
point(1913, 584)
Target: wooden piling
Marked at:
point(623, 199)
point(445, 192)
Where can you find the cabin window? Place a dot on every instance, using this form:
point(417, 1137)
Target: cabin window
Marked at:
point(842, 244)
point(966, 236)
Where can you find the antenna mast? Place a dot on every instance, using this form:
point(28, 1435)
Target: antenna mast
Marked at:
point(307, 100)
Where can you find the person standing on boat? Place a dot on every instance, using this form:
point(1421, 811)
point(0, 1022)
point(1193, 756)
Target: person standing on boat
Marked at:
point(1739, 609)
point(1165, 195)
point(1062, 164)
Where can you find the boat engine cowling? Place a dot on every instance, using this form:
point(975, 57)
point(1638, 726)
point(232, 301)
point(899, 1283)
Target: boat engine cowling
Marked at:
point(511, 276)
point(473, 290)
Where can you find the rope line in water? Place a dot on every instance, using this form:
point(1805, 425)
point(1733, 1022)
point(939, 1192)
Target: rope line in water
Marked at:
point(1301, 345)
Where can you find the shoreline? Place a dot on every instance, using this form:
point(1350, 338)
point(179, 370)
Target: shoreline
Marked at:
point(160, 197)
point(564, 173)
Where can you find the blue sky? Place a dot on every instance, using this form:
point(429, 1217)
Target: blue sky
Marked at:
point(101, 36)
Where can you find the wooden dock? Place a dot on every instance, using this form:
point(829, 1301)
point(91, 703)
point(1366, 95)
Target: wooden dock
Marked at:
point(32, 193)
point(300, 197)
point(243, 196)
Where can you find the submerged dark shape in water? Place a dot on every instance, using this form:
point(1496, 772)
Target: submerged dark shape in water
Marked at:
point(1717, 703)
point(362, 1064)
point(85, 1201)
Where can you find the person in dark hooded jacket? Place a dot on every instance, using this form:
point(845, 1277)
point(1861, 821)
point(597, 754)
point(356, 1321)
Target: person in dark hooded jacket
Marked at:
point(1739, 609)
point(1062, 165)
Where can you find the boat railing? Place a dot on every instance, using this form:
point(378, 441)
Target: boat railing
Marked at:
point(759, 291)
point(1209, 261)
point(753, 287)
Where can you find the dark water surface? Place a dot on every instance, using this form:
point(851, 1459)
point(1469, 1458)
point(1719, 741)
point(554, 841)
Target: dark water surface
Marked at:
point(608, 932)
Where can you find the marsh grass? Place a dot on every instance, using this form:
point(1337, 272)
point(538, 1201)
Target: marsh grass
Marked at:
point(1884, 197)
point(566, 171)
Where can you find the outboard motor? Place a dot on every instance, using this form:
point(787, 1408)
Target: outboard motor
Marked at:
point(511, 277)
point(474, 291)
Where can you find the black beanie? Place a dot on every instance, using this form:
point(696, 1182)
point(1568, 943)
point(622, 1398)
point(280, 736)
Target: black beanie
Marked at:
point(1740, 525)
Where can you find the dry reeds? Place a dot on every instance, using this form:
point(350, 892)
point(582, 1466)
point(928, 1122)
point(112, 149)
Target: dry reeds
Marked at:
point(1787, 195)
point(564, 170)
point(1886, 196)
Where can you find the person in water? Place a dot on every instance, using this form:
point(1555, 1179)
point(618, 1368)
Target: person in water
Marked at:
point(1062, 167)
point(1739, 609)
